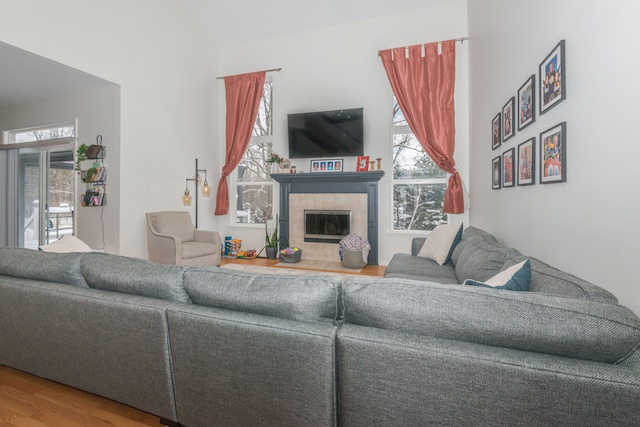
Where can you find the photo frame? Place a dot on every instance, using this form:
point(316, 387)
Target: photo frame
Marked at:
point(552, 79)
point(508, 168)
point(496, 131)
point(527, 103)
point(362, 164)
point(508, 119)
point(526, 162)
point(326, 165)
point(553, 154)
point(496, 173)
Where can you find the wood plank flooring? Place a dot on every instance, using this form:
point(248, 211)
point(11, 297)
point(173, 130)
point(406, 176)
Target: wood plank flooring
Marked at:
point(30, 401)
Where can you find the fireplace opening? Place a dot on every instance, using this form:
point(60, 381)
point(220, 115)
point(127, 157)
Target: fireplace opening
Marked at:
point(326, 226)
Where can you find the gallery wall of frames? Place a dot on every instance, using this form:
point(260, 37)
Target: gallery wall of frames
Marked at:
point(528, 162)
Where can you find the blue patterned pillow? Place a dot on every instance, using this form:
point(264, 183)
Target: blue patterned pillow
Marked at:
point(514, 278)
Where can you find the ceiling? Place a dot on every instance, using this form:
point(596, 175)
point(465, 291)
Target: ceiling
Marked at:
point(228, 21)
point(28, 77)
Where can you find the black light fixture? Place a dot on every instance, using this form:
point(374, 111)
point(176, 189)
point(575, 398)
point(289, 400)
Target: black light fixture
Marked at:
point(206, 190)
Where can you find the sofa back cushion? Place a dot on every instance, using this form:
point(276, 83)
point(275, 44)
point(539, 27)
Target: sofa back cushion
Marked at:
point(526, 321)
point(469, 234)
point(550, 280)
point(482, 259)
point(134, 276)
point(306, 298)
point(38, 265)
point(174, 224)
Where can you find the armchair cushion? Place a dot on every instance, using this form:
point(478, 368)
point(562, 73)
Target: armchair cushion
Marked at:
point(175, 224)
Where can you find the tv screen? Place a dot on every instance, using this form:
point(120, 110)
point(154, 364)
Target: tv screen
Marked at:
point(326, 134)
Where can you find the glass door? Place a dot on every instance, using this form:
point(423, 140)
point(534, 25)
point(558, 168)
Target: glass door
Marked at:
point(46, 195)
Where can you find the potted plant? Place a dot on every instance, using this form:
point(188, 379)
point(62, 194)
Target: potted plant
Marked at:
point(354, 251)
point(81, 156)
point(271, 241)
point(274, 160)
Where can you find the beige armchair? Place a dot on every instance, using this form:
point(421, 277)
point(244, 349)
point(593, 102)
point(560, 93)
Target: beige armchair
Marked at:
point(172, 239)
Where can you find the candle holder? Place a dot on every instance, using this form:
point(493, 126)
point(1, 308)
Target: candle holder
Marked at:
point(372, 165)
point(379, 159)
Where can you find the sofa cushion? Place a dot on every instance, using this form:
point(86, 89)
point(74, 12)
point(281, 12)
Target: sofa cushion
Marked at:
point(515, 278)
point(482, 259)
point(441, 242)
point(526, 321)
point(469, 234)
point(550, 280)
point(306, 298)
point(197, 249)
point(405, 266)
point(38, 265)
point(134, 276)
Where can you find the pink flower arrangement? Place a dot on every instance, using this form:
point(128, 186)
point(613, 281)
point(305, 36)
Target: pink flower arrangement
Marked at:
point(355, 243)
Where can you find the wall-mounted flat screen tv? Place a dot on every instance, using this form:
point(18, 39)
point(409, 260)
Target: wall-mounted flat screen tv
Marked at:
point(326, 134)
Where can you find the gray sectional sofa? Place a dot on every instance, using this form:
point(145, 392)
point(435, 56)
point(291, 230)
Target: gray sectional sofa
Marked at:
point(215, 347)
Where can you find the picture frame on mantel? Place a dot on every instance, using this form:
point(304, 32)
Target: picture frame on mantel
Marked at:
point(326, 165)
point(362, 164)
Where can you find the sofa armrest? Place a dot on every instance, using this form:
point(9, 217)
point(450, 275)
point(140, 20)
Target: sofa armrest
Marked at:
point(208, 236)
point(416, 245)
point(164, 249)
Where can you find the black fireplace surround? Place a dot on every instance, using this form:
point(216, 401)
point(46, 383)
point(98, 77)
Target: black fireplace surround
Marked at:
point(335, 183)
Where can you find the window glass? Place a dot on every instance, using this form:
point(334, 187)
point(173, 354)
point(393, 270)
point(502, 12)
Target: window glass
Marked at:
point(418, 183)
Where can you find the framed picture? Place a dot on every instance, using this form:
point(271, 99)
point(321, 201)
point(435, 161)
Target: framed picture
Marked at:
point(326, 165)
point(496, 132)
point(496, 174)
point(508, 162)
point(527, 103)
point(508, 116)
point(526, 162)
point(552, 79)
point(362, 164)
point(553, 154)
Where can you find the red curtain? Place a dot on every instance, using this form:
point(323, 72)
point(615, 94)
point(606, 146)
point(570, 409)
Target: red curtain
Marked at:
point(424, 87)
point(243, 93)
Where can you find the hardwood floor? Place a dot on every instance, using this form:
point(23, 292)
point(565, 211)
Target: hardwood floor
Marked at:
point(368, 270)
point(30, 401)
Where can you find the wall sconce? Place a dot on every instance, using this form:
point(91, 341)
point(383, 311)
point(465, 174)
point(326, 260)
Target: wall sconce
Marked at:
point(206, 190)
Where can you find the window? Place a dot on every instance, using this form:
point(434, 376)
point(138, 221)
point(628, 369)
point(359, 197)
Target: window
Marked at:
point(254, 188)
point(418, 184)
point(52, 133)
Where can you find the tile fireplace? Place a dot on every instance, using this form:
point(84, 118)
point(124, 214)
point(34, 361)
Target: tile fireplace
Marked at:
point(340, 191)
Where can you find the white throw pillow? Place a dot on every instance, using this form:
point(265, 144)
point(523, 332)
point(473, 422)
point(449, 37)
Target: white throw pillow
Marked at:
point(440, 243)
point(67, 243)
point(515, 278)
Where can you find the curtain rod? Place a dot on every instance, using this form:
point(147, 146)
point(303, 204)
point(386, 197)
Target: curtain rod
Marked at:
point(266, 71)
point(459, 39)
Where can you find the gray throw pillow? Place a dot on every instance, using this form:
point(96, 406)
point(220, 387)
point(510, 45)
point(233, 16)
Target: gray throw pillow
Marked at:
point(37, 265)
point(134, 276)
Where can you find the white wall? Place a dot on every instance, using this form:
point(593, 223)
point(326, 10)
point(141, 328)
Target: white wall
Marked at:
point(338, 67)
point(587, 226)
point(98, 113)
point(165, 65)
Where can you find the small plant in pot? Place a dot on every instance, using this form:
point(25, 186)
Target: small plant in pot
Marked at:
point(354, 251)
point(271, 241)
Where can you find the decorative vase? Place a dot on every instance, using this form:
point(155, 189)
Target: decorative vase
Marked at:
point(275, 168)
point(272, 252)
